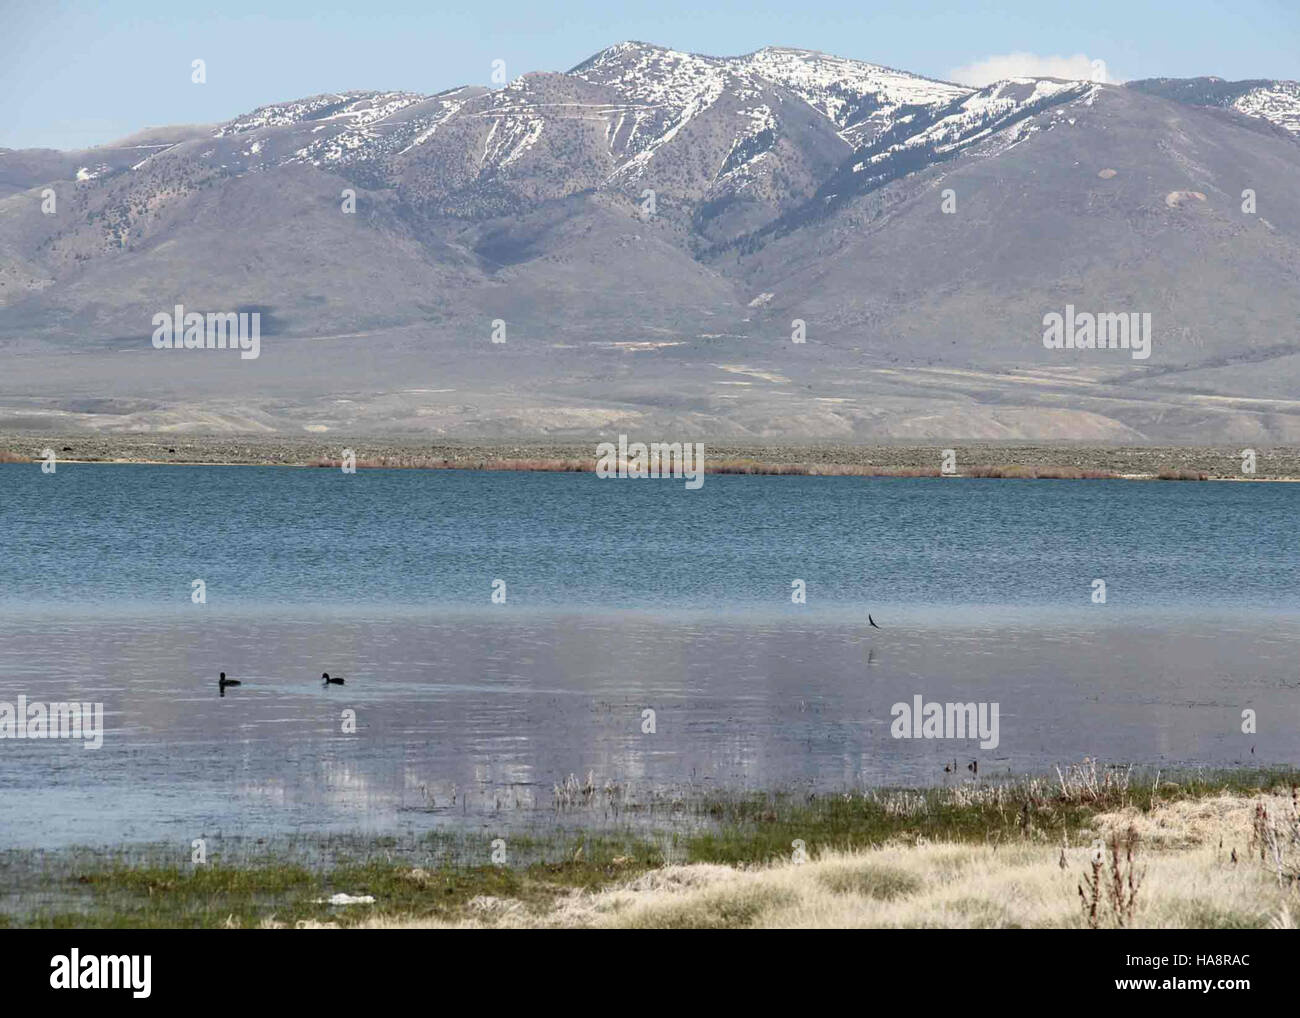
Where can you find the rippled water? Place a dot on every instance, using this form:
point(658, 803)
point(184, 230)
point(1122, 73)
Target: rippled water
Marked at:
point(137, 535)
point(623, 596)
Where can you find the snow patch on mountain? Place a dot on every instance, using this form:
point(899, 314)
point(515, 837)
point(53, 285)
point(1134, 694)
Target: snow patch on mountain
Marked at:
point(917, 142)
point(426, 127)
point(358, 108)
point(362, 122)
point(665, 78)
point(669, 89)
point(856, 96)
point(1278, 102)
point(753, 142)
point(978, 115)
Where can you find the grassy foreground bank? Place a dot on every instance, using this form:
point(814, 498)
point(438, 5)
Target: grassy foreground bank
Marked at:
point(1086, 847)
point(972, 459)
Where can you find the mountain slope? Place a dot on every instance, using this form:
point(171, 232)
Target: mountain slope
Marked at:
point(648, 226)
point(1277, 102)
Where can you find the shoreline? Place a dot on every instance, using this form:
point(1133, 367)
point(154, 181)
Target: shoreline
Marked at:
point(1216, 849)
point(1019, 461)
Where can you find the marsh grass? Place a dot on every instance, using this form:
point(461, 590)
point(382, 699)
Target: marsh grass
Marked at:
point(767, 468)
point(1276, 834)
point(79, 892)
point(418, 462)
point(761, 826)
point(937, 856)
point(1044, 473)
point(755, 467)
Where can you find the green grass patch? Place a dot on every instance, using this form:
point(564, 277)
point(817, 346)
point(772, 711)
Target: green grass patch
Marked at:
point(439, 875)
point(883, 883)
point(762, 827)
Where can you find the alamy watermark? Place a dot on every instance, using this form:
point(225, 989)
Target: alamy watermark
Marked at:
point(656, 459)
point(921, 720)
point(1106, 330)
point(75, 971)
point(36, 720)
point(223, 330)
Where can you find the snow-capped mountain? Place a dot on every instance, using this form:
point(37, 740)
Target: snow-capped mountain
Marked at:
point(751, 137)
point(1277, 102)
point(778, 120)
point(651, 218)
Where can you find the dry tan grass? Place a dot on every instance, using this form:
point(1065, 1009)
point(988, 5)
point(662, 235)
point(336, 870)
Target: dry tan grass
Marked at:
point(8, 456)
point(1192, 822)
point(1190, 881)
point(1045, 473)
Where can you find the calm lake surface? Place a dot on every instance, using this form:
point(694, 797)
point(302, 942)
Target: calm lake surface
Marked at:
point(621, 597)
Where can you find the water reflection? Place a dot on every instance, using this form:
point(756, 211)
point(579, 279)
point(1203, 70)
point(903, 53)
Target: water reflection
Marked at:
point(480, 717)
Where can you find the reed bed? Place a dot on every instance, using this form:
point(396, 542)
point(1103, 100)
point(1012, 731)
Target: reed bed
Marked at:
point(729, 466)
point(1048, 473)
point(400, 462)
point(755, 467)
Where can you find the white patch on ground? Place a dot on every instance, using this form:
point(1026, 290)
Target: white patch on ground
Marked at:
point(1278, 103)
point(740, 369)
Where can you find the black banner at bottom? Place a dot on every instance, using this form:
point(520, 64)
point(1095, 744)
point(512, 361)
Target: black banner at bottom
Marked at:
point(147, 968)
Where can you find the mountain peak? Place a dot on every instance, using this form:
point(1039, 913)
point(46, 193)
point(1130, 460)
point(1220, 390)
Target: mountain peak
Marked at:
point(618, 51)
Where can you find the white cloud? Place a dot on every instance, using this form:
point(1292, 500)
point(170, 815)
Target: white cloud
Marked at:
point(1030, 65)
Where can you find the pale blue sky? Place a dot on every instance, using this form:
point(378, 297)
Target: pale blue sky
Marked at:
point(75, 73)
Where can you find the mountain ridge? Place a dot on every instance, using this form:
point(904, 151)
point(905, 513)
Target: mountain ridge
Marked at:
point(649, 224)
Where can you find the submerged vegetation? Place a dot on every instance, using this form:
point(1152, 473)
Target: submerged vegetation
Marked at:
point(1193, 849)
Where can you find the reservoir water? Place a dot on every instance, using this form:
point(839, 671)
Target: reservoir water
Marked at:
point(620, 597)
